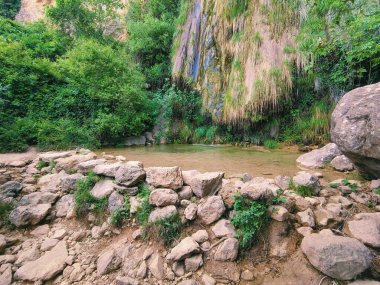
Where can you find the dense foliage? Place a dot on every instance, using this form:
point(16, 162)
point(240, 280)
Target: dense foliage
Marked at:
point(9, 8)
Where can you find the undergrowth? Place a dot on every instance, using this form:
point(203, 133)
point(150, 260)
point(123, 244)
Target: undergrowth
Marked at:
point(85, 202)
point(122, 214)
point(145, 208)
point(5, 209)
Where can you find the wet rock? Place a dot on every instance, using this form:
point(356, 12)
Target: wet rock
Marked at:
point(206, 184)
point(318, 158)
point(366, 228)
point(184, 249)
point(38, 198)
point(115, 201)
point(259, 188)
point(130, 174)
point(306, 218)
point(10, 189)
point(29, 215)
point(228, 250)
point(46, 267)
point(165, 177)
point(107, 262)
point(193, 263)
point(65, 207)
point(185, 193)
point(191, 211)
point(210, 209)
point(106, 169)
point(278, 213)
point(342, 163)
point(103, 188)
point(355, 128)
point(341, 258)
point(304, 178)
point(224, 228)
point(163, 197)
point(162, 213)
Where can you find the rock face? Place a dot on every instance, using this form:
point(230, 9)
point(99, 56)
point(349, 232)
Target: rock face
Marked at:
point(166, 177)
point(341, 258)
point(355, 128)
point(210, 210)
point(46, 267)
point(366, 228)
point(318, 158)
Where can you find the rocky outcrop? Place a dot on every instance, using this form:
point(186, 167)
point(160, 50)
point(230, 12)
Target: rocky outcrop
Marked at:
point(355, 128)
point(342, 258)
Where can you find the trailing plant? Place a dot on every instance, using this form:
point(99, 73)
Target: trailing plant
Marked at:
point(249, 218)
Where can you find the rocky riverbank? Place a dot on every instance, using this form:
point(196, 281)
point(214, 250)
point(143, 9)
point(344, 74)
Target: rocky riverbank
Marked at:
point(318, 232)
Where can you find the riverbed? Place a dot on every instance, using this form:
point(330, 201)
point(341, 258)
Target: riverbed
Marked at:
point(229, 159)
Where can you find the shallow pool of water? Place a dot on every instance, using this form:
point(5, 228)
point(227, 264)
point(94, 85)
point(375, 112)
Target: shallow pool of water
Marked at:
point(229, 159)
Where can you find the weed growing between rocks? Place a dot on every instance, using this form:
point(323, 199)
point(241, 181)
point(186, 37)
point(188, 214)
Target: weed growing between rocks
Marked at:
point(85, 202)
point(302, 190)
point(145, 208)
point(249, 218)
point(121, 215)
point(5, 209)
point(168, 230)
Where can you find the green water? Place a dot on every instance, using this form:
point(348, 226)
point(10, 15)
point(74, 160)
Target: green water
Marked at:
point(229, 159)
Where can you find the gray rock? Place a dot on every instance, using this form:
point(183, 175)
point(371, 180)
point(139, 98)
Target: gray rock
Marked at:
point(38, 198)
point(88, 166)
point(162, 213)
point(130, 174)
point(355, 128)
point(259, 188)
point(156, 266)
point(306, 218)
point(200, 236)
point(115, 201)
point(228, 250)
point(51, 182)
point(163, 197)
point(10, 189)
point(319, 158)
point(106, 169)
point(187, 247)
point(223, 228)
point(46, 267)
point(278, 213)
point(165, 177)
point(107, 262)
point(69, 182)
point(210, 209)
point(103, 188)
point(339, 257)
point(206, 184)
point(366, 228)
point(282, 182)
point(193, 263)
point(6, 276)
point(29, 215)
point(65, 207)
point(185, 193)
point(342, 163)
point(191, 211)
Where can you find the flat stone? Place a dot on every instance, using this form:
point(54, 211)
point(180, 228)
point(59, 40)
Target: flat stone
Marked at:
point(38, 198)
point(46, 267)
point(259, 188)
point(206, 184)
point(106, 169)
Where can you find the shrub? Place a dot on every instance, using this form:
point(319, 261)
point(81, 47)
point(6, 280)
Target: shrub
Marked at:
point(120, 215)
point(249, 218)
point(303, 190)
point(84, 201)
point(271, 144)
point(9, 8)
point(168, 229)
point(5, 209)
point(145, 208)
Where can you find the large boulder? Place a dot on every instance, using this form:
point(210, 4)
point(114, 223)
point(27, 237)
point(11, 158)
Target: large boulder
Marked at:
point(342, 258)
point(163, 197)
point(130, 174)
point(29, 215)
point(205, 184)
point(318, 158)
point(165, 177)
point(366, 228)
point(51, 182)
point(210, 209)
point(46, 267)
point(355, 128)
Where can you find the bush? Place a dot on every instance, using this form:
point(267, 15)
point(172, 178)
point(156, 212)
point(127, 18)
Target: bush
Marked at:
point(249, 218)
point(271, 144)
point(145, 208)
point(5, 209)
point(303, 190)
point(120, 215)
point(84, 201)
point(167, 230)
